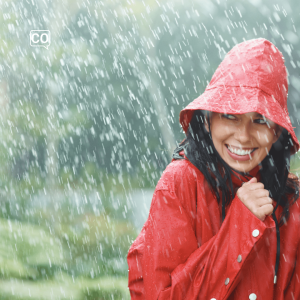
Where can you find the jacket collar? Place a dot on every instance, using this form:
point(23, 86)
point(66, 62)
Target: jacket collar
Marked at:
point(236, 178)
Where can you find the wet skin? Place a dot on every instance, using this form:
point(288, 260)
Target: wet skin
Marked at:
point(250, 131)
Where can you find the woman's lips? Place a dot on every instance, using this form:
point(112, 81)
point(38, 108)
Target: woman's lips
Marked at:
point(240, 157)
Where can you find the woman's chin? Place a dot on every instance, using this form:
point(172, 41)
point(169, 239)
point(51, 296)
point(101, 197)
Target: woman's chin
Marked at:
point(242, 166)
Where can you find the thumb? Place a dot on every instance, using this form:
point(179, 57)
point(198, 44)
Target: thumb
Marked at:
point(252, 180)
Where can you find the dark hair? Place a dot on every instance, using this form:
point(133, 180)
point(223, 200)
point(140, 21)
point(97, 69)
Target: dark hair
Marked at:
point(200, 151)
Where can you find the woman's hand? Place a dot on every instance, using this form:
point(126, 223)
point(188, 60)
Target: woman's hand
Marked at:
point(256, 198)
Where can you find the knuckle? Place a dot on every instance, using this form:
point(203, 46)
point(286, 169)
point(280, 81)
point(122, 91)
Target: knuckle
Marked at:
point(260, 216)
point(246, 197)
point(267, 200)
point(270, 208)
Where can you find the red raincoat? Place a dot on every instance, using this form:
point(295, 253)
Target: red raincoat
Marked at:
point(183, 250)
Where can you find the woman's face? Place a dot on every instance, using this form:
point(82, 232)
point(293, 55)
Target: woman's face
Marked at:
point(243, 141)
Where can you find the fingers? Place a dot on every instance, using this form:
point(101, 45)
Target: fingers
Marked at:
point(256, 198)
point(256, 204)
point(264, 201)
point(264, 211)
point(260, 193)
point(255, 186)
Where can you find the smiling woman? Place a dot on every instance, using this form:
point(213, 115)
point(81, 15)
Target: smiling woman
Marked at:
point(243, 141)
point(214, 229)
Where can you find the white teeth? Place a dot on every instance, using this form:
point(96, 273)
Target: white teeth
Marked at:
point(239, 151)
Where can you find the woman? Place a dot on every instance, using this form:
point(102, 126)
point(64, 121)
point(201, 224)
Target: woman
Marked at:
point(225, 215)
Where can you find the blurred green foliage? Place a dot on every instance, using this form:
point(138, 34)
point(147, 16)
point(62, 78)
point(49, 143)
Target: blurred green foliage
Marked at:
point(63, 287)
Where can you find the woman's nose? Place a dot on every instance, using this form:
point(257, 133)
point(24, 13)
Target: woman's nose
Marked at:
point(243, 134)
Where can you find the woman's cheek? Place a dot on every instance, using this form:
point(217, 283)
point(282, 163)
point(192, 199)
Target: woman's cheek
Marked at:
point(257, 135)
point(268, 137)
point(227, 129)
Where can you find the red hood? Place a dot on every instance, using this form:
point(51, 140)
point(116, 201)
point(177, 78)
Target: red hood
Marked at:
point(251, 78)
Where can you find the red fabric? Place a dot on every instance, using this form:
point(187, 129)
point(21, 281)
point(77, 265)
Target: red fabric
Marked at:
point(183, 251)
point(251, 78)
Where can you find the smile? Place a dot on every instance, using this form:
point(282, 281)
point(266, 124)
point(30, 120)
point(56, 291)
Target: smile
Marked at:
point(240, 152)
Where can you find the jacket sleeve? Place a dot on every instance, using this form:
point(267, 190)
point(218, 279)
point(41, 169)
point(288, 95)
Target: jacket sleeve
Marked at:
point(166, 262)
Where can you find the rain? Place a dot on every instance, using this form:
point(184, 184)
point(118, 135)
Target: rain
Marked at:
point(90, 95)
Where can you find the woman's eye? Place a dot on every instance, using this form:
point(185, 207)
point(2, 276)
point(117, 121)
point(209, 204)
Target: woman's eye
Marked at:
point(230, 117)
point(261, 121)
